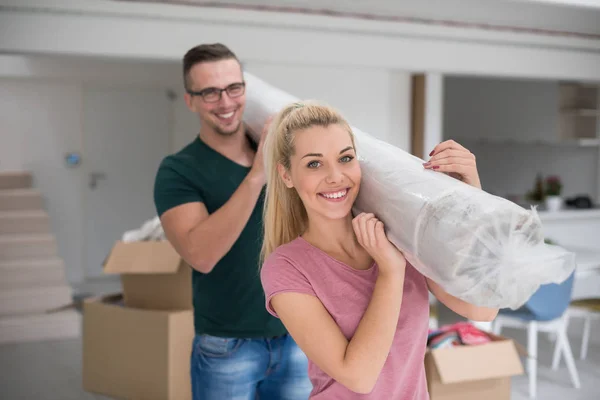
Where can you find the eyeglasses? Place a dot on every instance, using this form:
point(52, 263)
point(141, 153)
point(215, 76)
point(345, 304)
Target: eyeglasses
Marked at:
point(212, 95)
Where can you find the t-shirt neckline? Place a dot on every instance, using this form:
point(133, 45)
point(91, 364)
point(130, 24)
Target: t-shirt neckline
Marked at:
point(343, 264)
point(203, 144)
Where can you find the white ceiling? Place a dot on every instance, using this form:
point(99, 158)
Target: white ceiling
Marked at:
point(573, 16)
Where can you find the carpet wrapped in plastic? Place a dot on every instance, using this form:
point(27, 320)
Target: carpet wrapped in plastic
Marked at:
point(480, 248)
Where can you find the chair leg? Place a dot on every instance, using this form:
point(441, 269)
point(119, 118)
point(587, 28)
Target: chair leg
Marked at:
point(433, 323)
point(557, 352)
point(586, 337)
point(532, 358)
point(497, 326)
point(569, 359)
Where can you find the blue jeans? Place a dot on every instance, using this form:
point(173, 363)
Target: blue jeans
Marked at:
point(248, 369)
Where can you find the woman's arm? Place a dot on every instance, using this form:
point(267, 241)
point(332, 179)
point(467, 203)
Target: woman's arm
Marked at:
point(461, 307)
point(357, 363)
point(354, 363)
point(454, 159)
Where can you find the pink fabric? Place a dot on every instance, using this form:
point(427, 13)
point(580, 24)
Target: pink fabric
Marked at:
point(346, 292)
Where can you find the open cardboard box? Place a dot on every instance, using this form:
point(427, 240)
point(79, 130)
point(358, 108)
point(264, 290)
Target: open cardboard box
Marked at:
point(153, 275)
point(132, 353)
point(474, 372)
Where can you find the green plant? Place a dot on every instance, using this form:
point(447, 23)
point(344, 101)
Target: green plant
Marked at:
point(553, 186)
point(538, 193)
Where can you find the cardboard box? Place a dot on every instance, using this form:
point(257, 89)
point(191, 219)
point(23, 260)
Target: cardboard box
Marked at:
point(153, 275)
point(136, 354)
point(473, 372)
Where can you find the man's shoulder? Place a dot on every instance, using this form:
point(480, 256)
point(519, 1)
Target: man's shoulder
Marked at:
point(188, 156)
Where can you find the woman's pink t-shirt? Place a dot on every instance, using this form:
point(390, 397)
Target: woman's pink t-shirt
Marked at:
point(346, 292)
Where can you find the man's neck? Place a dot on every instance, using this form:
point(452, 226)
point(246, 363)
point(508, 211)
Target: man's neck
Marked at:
point(231, 146)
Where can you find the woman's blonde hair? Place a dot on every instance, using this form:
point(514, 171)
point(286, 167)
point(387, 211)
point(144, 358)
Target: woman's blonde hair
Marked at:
point(284, 215)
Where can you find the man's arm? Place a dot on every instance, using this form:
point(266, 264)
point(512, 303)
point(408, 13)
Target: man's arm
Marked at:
point(203, 239)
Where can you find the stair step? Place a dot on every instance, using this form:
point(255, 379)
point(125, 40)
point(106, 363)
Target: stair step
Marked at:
point(30, 221)
point(37, 327)
point(21, 199)
point(34, 300)
point(27, 246)
point(15, 180)
point(32, 273)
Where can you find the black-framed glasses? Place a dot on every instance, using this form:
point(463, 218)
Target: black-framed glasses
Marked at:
point(212, 95)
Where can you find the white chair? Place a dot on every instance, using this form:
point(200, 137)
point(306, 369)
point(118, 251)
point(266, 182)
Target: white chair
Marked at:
point(588, 310)
point(545, 311)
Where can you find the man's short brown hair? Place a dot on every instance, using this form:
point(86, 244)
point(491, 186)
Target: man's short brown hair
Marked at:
point(204, 53)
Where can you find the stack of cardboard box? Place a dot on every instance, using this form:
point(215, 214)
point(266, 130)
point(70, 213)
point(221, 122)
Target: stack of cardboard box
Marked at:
point(32, 275)
point(138, 345)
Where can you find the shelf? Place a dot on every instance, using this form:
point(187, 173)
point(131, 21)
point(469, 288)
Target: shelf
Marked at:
point(588, 142)
point(581, 85)
point(581, 112)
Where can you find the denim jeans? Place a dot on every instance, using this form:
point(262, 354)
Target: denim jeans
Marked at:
point(248, 369)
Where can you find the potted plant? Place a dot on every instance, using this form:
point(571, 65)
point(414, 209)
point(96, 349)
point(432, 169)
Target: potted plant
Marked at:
point(553, 191)
point(537, 194)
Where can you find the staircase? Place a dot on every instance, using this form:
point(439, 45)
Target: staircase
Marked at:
point(32, 275)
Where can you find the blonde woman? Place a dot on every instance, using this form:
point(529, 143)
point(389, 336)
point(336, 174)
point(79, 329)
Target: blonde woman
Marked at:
point(346, 294)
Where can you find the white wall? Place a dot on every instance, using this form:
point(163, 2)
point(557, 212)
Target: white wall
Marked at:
point(41, 118)
point(374, 100)
point(500, 108)
point(76, 73)
point(159, 31)
point(40, 121)
point(517, 110)
point(186, 124)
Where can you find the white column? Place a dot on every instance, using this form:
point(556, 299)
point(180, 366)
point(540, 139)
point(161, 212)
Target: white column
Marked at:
point(597, 200)
point(400, 111)
point(434, 108)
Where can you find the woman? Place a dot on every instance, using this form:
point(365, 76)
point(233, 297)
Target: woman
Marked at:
point(346, 295)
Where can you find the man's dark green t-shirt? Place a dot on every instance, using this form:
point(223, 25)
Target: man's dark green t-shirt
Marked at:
point(229, 301)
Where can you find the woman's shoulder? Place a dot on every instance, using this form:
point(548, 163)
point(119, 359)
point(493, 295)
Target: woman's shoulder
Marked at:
point(285, 262)
point(290, 252)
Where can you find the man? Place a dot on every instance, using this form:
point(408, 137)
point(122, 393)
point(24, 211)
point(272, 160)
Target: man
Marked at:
point(209, 197)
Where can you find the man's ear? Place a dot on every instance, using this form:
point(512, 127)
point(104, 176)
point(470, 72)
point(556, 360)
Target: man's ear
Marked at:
point(285, 176)
point(188, 101)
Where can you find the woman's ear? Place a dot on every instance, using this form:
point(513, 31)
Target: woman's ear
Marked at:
point(285, 176)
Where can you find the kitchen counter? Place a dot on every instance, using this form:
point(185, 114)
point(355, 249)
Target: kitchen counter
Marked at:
point(569, 214)
point(578, 230)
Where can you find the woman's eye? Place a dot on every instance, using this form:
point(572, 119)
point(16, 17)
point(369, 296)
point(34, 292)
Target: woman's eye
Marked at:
point(313, 164)
point(346, 159)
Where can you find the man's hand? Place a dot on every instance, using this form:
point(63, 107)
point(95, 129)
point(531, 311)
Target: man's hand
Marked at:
point(257, 173)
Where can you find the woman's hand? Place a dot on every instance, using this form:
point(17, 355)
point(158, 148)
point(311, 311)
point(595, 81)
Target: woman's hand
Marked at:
point(371, 236)
point(455, 160)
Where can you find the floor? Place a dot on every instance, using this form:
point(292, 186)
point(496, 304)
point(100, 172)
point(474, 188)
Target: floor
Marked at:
point(52, 370)
point(555, 385)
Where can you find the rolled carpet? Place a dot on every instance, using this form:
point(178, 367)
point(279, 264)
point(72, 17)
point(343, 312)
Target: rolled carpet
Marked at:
point(481, 248)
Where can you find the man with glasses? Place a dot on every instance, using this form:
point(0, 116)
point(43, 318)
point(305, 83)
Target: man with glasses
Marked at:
point(209, 197)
